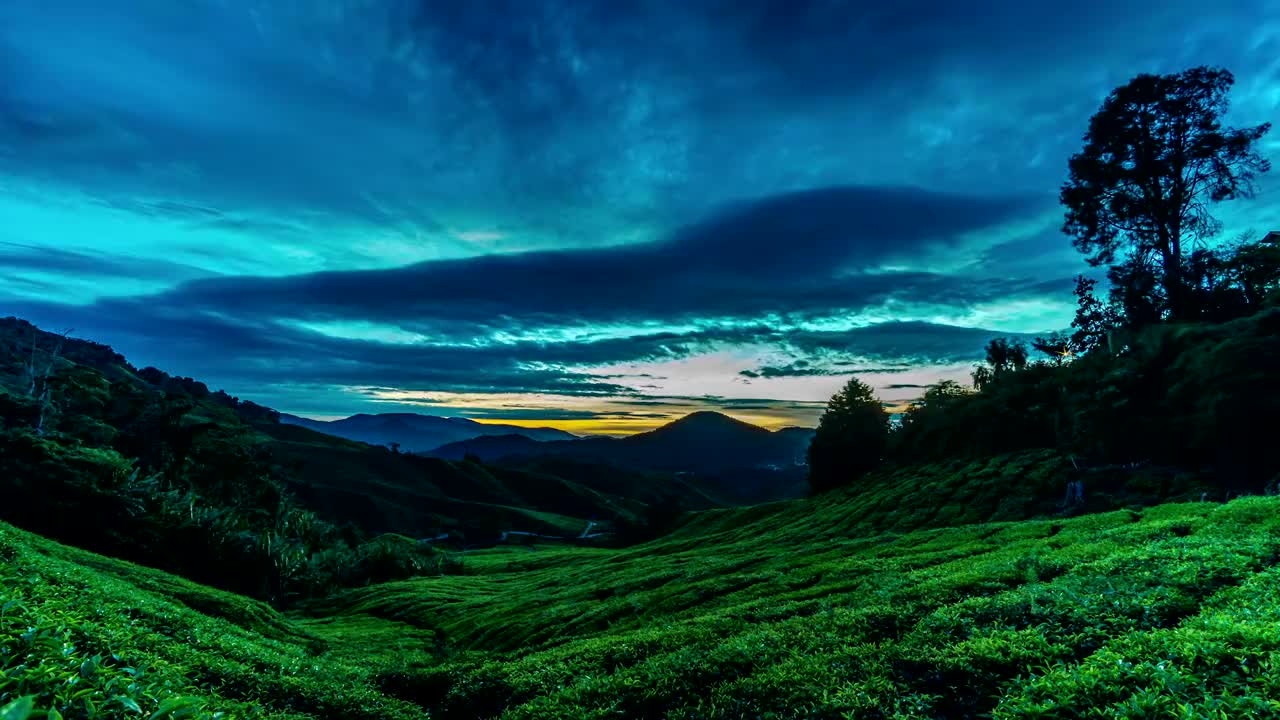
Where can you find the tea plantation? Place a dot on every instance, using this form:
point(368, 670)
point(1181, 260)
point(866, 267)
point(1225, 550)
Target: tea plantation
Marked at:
point(779, 611)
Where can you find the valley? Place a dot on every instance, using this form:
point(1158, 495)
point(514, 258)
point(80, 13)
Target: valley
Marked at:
point(783, 611)
point(409, 586)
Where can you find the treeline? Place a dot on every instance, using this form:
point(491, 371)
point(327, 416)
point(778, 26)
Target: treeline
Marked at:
point(1174, 365)
point(159, 470)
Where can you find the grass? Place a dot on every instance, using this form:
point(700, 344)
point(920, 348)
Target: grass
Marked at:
point(790, 610)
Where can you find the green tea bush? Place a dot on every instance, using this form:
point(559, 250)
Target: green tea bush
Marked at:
point(1169, 611)
point(84, 636)
point(1154, 613)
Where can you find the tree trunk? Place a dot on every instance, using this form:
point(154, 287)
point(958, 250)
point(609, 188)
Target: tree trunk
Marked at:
point(1174, 284)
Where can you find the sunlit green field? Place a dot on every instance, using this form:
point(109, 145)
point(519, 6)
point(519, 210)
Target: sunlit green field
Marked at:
point(777, 611)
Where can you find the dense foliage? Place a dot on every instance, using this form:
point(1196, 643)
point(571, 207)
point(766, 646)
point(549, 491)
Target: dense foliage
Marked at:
point(851, 438)
point(1191, 398)
point(786, 611)
point(84, 636)
point(1172, 368)
point(159, 469)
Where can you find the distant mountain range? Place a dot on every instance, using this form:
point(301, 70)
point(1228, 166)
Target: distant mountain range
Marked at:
point(732, 461)
point(342, 470)
point(419, 433)
point(703, 442)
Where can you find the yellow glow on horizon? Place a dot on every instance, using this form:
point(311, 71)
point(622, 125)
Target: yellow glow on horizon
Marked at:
point(711, 382)
point(630, 426)
point(587, 426)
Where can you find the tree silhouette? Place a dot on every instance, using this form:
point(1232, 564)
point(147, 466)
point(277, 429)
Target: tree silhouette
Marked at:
point(1255, 268)
point(851, 439)
point(1155, 157)
point(1003, 357)
point(1056, 345)
point(1093, 318)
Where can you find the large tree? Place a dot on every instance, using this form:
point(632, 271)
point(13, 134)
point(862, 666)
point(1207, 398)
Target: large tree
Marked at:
point(851, 440)
point(1155, 158)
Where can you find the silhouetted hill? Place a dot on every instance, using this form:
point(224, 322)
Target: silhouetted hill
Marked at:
point(699, 442)
point(494, 447)
point(418, 433)
point(732, 460)
point(713, 442)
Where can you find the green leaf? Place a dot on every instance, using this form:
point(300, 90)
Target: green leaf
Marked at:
point(168, 708)
point(19, 709)
point(129, 704)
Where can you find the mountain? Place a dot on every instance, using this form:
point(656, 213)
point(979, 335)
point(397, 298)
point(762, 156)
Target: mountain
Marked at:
point(418, 433)
point(700, 442)
point(734, 460)
point(108, 421)
point(496, 447)
point(381, 490)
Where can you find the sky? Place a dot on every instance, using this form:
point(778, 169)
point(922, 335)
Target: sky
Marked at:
point(590, 215)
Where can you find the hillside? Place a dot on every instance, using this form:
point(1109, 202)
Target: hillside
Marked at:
point(1167, 612)
point(736, 461)
point(921, 591)
point(386, 491)
point(157, 421)
point(158, 469)
point(418, 433)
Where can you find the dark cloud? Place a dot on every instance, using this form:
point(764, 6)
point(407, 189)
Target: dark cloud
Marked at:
point(595, 183)
point(810, 252)
point(246, 355)
point(917, 342)
point(799, 368)
point(911, 344)
point(840, 229)
point(237, 354)
point(21, 257)
point(657, 108)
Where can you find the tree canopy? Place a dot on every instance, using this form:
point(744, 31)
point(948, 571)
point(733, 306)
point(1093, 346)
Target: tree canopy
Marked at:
point(851, 439)
point(1156, 157)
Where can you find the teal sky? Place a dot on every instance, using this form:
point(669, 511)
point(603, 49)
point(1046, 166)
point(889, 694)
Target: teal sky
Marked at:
point(591, 215)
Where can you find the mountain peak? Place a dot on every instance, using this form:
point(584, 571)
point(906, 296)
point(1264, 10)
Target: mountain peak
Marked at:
point(704, 416)
point(709, 421)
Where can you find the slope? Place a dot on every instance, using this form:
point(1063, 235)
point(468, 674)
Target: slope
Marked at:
point(1168, 612)
point(386, 491)
point(1162, 613)
point(92, 637)
point(177, 426)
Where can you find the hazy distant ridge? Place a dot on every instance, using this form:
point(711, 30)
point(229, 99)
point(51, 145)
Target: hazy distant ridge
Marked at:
point(418, 433)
